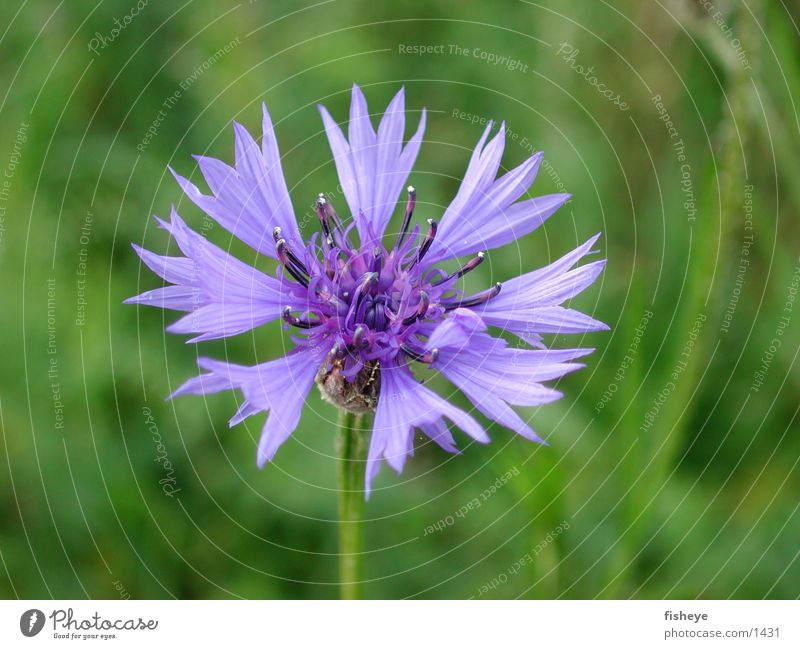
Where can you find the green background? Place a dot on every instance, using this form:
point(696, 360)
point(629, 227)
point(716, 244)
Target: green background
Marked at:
point(702, 502)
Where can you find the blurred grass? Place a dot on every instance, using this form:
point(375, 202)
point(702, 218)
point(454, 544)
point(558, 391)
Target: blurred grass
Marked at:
point(702, 504)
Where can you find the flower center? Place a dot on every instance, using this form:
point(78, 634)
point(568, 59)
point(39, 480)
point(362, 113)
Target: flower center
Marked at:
point(375, 315)
point(372, 303)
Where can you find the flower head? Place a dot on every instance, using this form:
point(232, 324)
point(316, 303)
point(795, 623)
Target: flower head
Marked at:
point(367, 305)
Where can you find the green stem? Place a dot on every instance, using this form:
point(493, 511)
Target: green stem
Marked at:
point(351, 447)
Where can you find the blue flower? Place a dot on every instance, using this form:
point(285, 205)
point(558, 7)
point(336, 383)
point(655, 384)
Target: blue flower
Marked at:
point(366, 306)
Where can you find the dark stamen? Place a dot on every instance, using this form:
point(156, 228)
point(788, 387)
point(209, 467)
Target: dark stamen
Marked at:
point(426, 245)
point(338, 350)
point(330, 213)
point(472, 264)
point(278, 236)
point(323, 293)
point(410, 203)
point(323, 218)
point(422, 309)
point(429, 237)
point(475, 300)
point(377, 260)
point(297, 322)
point(291, 263)
point(423, 357)
point(369, 280)
point(358, 337)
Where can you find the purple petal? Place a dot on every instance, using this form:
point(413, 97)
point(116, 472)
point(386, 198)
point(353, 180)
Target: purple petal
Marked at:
point(176, 298)
point(529, 304)
point(404, 404)
point(504, 227)
point(372, 167)
point(279, 387)
point(284, 213)
point(456, 331)
point(544, 320)
point(224, 296)
point(494, 375)
point(224, 319)
point(482, 169)
point(232, 214)
point(263, 185)
point(498, 410)
point(343, 161)
point(480, 174)
point(390, 139)
point(440, 433)
point(252, 199)
point(484, 220)
point(176, 270)
point(219, 176)
point(363, 151)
